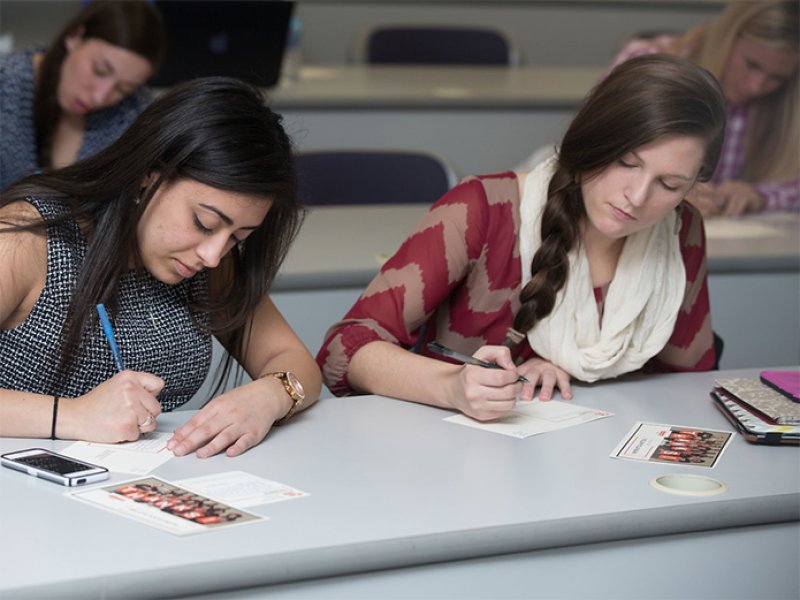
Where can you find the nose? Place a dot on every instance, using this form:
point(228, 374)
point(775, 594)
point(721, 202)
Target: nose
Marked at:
point(102, 93)
point(211, 250)
point(637, 189)
point(757, 85)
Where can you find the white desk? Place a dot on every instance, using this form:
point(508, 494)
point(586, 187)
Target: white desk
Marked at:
point(441, 87)
point(393, 485)
point(483, 119)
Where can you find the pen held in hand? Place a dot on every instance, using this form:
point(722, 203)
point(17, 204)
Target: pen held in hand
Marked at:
point(466, 359)
point(108, 330)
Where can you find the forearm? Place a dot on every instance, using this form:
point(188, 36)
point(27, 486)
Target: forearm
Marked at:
point(23, 414)
point(389, 370)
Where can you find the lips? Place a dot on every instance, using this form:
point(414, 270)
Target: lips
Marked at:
point(80, 107)
point(621, 214)
point(183, 270)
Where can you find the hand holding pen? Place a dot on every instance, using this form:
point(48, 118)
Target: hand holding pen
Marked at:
point(149, 383)
point(466, 359)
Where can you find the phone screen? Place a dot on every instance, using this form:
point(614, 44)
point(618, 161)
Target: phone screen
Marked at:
point(53, 463)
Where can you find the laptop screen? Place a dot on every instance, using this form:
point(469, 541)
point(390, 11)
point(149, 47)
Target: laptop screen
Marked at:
point(237, 38)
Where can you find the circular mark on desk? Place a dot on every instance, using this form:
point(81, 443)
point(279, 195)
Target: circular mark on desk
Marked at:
point(689, 485)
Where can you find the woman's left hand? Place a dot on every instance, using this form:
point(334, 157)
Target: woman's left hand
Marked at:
point(739, 197)
point(233, 422)
point(549, 376)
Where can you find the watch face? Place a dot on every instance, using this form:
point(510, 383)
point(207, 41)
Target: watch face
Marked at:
point(295, 383)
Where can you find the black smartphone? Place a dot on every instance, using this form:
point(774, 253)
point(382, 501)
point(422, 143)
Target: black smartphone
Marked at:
point(52, 466)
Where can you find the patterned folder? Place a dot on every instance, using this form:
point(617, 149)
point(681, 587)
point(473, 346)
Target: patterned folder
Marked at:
point(764, 399)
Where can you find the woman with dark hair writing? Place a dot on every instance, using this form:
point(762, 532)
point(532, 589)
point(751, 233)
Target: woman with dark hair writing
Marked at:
point(178, 228)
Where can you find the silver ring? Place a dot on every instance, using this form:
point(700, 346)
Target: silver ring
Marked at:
point(147, 421)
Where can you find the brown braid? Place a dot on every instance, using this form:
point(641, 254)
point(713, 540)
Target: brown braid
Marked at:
point(561, 221)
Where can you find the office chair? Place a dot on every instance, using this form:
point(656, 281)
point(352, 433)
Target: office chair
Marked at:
point(422, 44)
point(328, 177)
point(719, 345)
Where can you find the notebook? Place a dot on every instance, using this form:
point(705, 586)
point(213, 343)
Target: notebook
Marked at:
point(763, 399)
point(750, 424)
point(786, 382)
point(238, 38)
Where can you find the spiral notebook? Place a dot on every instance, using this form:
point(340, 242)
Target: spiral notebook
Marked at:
point(768, 402)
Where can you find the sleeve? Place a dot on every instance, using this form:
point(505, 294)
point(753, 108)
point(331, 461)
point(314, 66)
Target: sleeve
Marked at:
point(784, 195)
point(412, 284)
point(691, 346)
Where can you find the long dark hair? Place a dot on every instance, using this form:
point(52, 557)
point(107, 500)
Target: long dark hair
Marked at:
point(642, 100)
point(134, 25)
point(217, 131)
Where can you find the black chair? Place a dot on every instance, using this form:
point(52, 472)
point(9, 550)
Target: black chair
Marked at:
point(451, 45)
point(719, 345)
point(328, 177)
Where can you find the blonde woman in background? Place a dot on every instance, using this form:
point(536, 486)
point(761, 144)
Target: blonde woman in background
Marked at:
point(753, 50)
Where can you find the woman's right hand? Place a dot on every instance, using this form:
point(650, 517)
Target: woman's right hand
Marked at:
point(118, 410)
point(486, 394)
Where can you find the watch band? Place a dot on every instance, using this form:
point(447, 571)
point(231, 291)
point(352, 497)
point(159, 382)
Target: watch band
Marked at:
point(296, 395)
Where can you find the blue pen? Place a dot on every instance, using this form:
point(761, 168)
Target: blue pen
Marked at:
point(109, 332)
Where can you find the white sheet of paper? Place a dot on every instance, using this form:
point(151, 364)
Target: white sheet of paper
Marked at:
point(139, 457)
point(532, 418)
point(241, 489)
point(723, 228)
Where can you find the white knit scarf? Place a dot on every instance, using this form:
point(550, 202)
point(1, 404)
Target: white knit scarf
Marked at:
point(641, 305)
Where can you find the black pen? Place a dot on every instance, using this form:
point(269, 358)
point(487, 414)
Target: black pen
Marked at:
point(469, 360)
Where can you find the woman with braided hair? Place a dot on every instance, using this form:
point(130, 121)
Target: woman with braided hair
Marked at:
point(590, 266)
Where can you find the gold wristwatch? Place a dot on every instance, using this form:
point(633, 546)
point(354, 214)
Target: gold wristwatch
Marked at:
point(294, 388)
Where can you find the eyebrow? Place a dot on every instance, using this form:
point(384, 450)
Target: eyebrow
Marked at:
point(225, 217)
point(676, 175)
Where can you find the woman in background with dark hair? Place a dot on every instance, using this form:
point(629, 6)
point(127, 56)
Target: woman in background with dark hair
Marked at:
point(179, 228)
point(73, 99)
point(589, 266)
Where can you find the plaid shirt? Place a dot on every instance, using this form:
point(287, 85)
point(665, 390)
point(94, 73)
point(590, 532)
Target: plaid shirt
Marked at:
point(779, 195)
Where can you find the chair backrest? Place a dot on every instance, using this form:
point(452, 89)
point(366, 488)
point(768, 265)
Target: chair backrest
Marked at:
point(327, 177)
point(422, 44)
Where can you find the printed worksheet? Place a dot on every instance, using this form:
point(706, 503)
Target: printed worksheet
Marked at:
point(138, 458)
point(533, 418)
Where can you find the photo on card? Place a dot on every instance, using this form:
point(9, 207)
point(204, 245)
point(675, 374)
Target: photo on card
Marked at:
point(166, 506)
point(673, 444)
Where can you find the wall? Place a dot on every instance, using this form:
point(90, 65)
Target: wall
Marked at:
point(564, 32)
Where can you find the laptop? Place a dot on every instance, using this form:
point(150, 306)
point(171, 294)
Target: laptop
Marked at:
point(237, 38)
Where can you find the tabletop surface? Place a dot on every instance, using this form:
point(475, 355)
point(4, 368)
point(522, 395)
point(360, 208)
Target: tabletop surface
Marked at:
point(364, 236)
point(393, 484)
point(399, 86)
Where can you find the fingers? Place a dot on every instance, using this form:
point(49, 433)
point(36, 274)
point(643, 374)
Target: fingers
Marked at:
point(488, 393)
point(548, 377)
point(499, 355)
point(217, 427)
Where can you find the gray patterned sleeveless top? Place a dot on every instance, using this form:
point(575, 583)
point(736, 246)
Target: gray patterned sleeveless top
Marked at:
point(156, 332)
